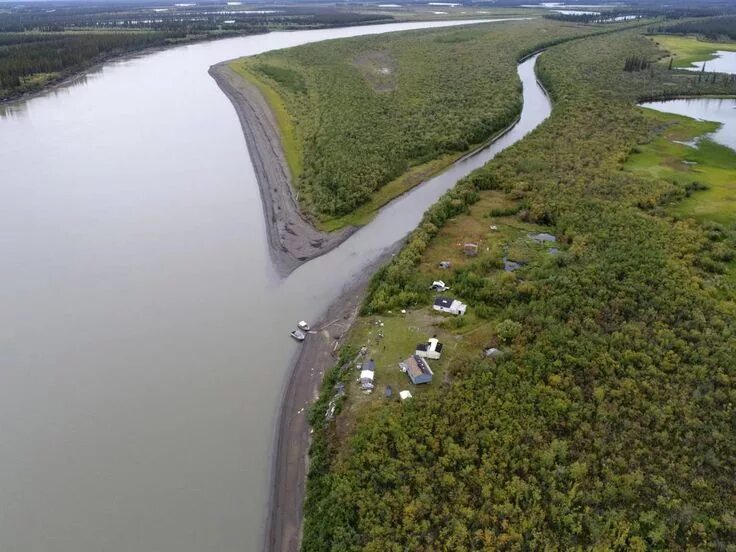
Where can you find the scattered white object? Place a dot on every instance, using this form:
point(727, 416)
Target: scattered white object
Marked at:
point(492, 352)
point(403, 311)
point(494, 227)
point(404, 395)
point(439, 285)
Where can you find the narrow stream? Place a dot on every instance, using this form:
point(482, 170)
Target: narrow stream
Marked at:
point(143, 330)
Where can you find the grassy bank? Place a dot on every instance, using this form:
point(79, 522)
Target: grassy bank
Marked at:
point(607, 422)
point(287, 128)
point(374, 116)
point(688, 49)
point(701, 167)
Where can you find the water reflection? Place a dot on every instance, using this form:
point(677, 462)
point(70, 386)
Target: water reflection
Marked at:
point(721, 110)
point(724, 62)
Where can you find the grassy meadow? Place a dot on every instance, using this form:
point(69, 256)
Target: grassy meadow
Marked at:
point(705, 169)
point(688, 49)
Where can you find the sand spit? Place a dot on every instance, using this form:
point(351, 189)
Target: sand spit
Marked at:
point(292, 239)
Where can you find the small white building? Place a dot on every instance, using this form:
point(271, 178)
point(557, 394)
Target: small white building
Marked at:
point(366, 380)
point(404, 395)
point(431, 349)
point(451, 306)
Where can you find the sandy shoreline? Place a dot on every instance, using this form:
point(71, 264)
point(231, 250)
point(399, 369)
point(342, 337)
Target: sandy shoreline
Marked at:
point(292, 239)
point(301, 388)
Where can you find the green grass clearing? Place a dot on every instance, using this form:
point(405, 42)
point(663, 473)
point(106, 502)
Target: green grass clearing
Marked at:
point(705, 163)
point(688, 49)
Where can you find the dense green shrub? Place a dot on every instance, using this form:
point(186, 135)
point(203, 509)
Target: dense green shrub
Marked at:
point(610, 424)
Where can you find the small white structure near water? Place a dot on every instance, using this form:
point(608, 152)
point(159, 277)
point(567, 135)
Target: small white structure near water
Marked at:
point(451, 306)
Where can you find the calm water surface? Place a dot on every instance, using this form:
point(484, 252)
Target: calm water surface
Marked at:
point(724, 62)
point(706, 109)
point(143, 330)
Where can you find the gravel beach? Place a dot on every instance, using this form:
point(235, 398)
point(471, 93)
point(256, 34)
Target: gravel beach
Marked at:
point(292, 239)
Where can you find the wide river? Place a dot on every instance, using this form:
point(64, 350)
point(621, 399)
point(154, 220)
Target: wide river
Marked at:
point(143, 328)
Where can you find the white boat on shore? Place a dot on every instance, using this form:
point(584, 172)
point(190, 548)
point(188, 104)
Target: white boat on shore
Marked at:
point(298, 335)
point(303, 326)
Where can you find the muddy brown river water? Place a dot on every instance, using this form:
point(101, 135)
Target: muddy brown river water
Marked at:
point(143, 330)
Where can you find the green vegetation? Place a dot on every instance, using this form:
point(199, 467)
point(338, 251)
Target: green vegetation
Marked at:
point(688, 49)
point(712, 28)
point(374, 116)
point(702, 168)
point(608, 422)
point(289, 139)
point(30, 60)
point(39, 46)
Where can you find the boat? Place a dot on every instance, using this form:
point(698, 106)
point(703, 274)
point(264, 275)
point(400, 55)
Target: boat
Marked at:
point(298, 335)
point(303, 326)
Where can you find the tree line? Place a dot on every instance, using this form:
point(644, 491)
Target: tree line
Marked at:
point(712, 28)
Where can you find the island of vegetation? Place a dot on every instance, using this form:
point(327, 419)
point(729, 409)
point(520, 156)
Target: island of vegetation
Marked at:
point(337, 129)
point(586, 398)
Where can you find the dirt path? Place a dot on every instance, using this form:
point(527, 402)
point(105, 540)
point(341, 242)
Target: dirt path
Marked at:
point(293, 239)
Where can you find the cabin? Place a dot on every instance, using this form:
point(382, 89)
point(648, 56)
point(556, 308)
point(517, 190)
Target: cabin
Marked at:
point(451, 306)
point(418, 370)
point(470, 249)
point(431, 349)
